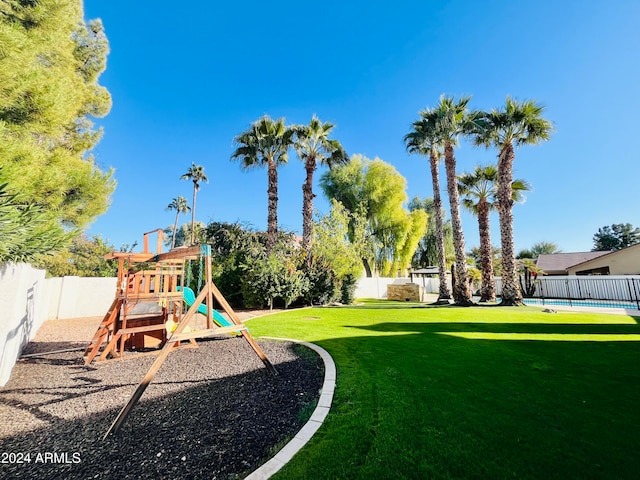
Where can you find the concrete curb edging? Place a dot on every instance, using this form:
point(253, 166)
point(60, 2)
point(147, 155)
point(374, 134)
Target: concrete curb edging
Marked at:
point(311, 427)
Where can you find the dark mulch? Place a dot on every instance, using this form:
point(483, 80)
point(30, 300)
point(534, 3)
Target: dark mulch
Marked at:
point(211, 412)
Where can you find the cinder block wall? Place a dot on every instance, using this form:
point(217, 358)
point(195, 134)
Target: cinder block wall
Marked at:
point(27, 299)
point(23, 305)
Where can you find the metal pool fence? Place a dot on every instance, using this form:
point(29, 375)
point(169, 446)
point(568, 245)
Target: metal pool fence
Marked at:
point(613, 291)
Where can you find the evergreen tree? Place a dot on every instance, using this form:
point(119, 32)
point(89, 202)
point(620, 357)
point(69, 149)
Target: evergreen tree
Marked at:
point(615, 237)
point(83, 258)
point(50, 61)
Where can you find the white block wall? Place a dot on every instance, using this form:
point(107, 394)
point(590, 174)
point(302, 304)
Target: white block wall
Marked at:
point(27, 299)
point(24, 308)
point(75, 297)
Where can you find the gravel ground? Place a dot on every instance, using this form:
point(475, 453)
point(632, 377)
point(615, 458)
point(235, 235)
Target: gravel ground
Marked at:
point(211, 412)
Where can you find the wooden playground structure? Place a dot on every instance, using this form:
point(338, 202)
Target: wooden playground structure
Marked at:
point(147, 316)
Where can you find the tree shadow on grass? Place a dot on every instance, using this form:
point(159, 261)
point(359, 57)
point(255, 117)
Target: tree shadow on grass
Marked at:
point(533, 328)
point(415, 403)
point(187, 425)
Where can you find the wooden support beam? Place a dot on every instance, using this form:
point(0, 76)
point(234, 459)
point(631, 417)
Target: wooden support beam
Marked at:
point(210, 332)
point(177, 253)
point(142, 329)
point(209, 292)
point(110, 348)
point(150, 353)
point(245, 334)
point(151, 373)
point(134, 257)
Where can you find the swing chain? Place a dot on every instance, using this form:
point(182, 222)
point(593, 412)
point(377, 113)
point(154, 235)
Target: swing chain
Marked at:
point(188, 279)
point(200, 267)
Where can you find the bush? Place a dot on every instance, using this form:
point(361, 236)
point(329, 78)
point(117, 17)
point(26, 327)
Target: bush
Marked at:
point(324, 287)
point(271, 278)
point(348, 289)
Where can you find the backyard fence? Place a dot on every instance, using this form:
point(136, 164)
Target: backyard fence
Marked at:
point(376, 287)
point(24, 302)
point(617, 291)
point(27, 299)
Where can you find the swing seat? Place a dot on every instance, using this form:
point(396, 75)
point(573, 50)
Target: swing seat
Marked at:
point(190, 297)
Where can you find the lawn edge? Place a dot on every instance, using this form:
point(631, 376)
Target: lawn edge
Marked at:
point(305, 434)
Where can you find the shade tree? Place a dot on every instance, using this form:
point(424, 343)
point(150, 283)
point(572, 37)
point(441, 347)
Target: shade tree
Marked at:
point(374, 191)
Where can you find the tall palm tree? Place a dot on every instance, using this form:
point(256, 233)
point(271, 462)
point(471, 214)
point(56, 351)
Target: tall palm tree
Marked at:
point(180, 205)
point(518, 123)
point(313, 146)
point(479, 190)
point(423, 141)
point(451, 119)
point(196, 174)
point(266, 142)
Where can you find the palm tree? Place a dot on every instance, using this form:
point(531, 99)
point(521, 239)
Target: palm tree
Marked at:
point(314, 148)
point(423, 141)
point(266, 142)
point(451, 119)
point(518, 123)
point(196, 175)
point(178, 204)
point(478, 191)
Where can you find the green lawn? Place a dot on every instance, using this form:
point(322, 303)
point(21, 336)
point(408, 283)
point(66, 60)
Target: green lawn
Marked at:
point(446, 392)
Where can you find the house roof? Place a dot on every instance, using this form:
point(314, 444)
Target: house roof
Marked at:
point(611, 252)
point(560, 262)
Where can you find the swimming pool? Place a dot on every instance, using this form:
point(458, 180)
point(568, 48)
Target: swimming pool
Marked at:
point(582, 303)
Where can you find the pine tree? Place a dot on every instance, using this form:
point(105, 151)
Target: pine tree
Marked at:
point(50, 61)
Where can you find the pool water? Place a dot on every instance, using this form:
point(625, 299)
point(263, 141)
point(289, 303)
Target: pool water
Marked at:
point(582, 303)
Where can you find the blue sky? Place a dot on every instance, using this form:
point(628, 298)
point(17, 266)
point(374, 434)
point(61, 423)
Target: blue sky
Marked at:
point(186, 78)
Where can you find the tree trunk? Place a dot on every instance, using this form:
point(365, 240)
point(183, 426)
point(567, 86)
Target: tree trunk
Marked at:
point(307, 204)
point(175, 229)
point(461, 294)
point(488, 289)
point(193, 214)
point(511, 294)
point(367, 268)
point(272, 213)
point(444, 294)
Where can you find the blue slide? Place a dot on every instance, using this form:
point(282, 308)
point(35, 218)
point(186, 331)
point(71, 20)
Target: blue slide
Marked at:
point(190, 297)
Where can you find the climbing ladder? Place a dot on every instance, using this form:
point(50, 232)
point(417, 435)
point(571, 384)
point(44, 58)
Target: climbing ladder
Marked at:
point(104, 332)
